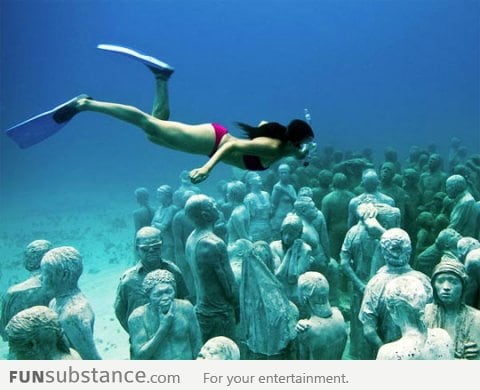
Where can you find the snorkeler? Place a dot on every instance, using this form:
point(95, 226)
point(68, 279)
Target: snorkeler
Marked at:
point(266, 143)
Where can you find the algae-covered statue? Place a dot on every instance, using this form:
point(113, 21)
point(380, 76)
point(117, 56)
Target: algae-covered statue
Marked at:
point(61, 268)
point(238, 225)
point(130, 295)
point(267, 316)
point(283, 197)
point(30, 292)
point(378, 326)
point(260, 208)
point(213, 276)
point(322, 335)
point(463, 217)
point(36, 334)
point(448, 310)
point(292, 255)
point(143, 215)
point(165, 328)
point(405, 299)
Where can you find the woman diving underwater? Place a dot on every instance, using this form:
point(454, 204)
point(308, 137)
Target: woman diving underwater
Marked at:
point(266, 143)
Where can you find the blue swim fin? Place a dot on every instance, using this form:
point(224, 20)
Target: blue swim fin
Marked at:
point(156, 66)
point(36, 129)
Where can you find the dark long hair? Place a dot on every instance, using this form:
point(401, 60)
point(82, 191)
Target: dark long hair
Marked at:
point(296, 131)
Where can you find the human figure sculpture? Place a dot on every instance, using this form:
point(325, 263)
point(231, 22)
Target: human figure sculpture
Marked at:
point(391, 157)
point(60, 270)
point(163, 219)
point(425, 234)
point(130, 294)
point(378, 326)
point(432, 180)
point(411, 178)
point(259, 206)
point(283, 197)
point(371, 194)
point(315, 234)
point(30, 292)
point(445, 244)
point(357, 253)
point(464, 246)
point(238, 225)
point(267, 316)
point(143, 215)
point(472, 266)
point(322, 335)
point(292, 255)
point(463, 217)
point(405, 299)
point(36, 334)
point(398, 194)
point(335, 211)
point(216, 295)
point(219, 348)
point(236, 253)
point(181, 229)
point(449, 311)
point(165, 328)
point(325, 179)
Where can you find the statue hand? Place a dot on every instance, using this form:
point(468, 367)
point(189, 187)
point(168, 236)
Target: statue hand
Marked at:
point(302, 326)
point(198, 175)
point(470, 350)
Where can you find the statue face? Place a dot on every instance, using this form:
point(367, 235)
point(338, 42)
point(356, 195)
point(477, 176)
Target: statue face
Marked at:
point(289, 235)
point(149, 250)
point(162, 296)
point(449, 288)
point(50, 278)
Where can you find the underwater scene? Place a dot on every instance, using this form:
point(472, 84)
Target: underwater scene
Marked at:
point(226, 179)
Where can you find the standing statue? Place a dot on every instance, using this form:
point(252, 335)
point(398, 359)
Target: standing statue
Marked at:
point(405, 299)
point(260, 208)
point(61, 268)
point(30, 292)
point(283, 197)
point(448, 310)
point(213, 276)
point(36, 334)
point(165, 328)
point(323, 334)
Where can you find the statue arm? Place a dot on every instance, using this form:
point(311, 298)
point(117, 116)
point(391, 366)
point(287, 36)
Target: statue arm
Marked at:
point(346, 261)
point(472, 292)
point(79, 330)
point(194, 332)
point(120, 307)
point(142, 347)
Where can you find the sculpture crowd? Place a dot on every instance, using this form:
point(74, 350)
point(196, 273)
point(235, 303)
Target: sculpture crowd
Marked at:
point(288, 265)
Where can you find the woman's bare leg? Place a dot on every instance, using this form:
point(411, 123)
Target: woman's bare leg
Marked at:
point(196, 139)
point(161, 107)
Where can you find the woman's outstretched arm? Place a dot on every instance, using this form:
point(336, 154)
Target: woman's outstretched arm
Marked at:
point(262, 147)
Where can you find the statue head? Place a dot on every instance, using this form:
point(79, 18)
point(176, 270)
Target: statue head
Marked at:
point(449, 280)
point(202, 210)
point(165, 194)
point(396, 247)
point(406, 297)
point(160, 287)
point(253, 179)
point(236, 191)
point(35, 334)
point(305, 191)
point(370, 180)
point(142, 195)
point(387, 171)
point(148, 244)
point(339, 181)
point(465, 245)
point(425, 220)
point(283, 172)
point(34, 252)
point(305, 208)
point(219, 348)
point(455, 186)
point(447, 240)
point(313, 286)
point(291, 229)
point(61, 268)
point(411, 177)
point(434, 162)
point(325, 178)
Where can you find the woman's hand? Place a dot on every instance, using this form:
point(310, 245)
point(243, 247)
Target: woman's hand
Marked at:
point(198, 175)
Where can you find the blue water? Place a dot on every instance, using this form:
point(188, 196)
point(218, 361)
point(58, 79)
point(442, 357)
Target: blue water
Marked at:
point(373, 74)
